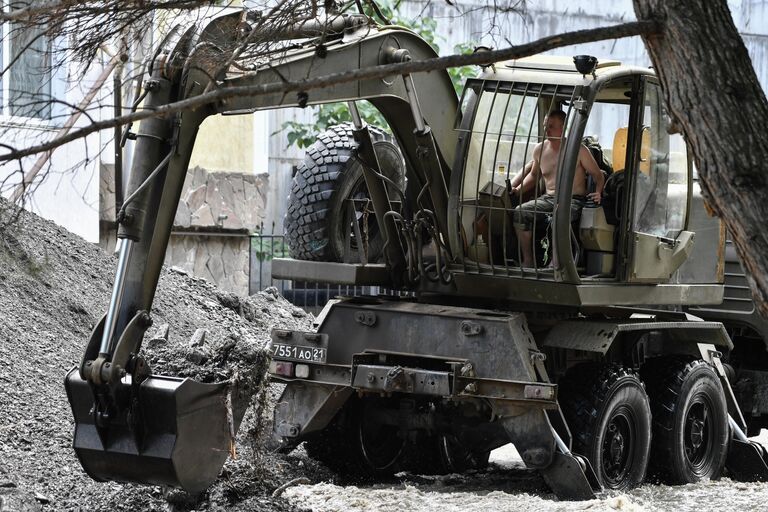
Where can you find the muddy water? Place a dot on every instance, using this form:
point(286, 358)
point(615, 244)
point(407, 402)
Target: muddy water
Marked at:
point(508, 486)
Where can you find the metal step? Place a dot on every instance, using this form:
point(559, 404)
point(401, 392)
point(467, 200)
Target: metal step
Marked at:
point(372, 274)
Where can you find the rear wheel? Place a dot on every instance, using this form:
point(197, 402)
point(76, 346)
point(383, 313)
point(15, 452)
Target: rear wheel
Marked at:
point(457, 457)
point(690, 419)
point(607, 411)
point(380, 446)
point(357, 444)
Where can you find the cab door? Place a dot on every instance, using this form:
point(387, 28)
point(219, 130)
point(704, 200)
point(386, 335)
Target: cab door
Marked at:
point(659, 242)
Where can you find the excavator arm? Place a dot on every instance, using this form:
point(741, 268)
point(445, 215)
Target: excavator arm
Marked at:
point(137, 427)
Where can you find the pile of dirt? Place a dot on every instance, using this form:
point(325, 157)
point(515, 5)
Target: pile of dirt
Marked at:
point(54, 287)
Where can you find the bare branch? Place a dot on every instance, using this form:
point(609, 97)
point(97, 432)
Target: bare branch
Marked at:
point(53, 7)
point(222, 94)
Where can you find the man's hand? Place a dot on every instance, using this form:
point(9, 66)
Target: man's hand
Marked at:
point(590, 166)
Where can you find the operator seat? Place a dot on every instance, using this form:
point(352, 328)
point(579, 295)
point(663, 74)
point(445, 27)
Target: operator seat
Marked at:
point(613, 193)
point(597, 228)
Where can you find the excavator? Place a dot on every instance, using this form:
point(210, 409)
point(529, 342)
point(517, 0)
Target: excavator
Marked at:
point(597, 361)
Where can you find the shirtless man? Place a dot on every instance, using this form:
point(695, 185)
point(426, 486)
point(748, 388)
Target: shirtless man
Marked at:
point(544, 163)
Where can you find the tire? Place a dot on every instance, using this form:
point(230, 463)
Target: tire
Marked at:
point(331, 448)
point(455, 457)
point(381, 448)
point(423, 455)
point(440, 454)
point(609, 416)
point(317, 222)
point(690, 420)
point(355, 445)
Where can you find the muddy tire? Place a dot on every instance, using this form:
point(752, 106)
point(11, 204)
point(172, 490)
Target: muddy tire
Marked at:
point(329, 447)
point(690, 420)
point(440, 454)
point(318, 222)
point(380, 447)
point(609, 416)
point(357, 446)
point(455, 457)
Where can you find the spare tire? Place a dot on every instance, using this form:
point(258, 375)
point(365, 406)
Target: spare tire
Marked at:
point(318, 225)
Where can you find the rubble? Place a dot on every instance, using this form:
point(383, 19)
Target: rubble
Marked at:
point(54, 287)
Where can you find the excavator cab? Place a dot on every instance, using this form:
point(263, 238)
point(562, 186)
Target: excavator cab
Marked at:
point(585, 253)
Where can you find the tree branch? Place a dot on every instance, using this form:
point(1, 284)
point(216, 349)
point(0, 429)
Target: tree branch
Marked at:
point(52, 8)
point(434, 64)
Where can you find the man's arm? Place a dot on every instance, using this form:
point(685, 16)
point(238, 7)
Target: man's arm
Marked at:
point(515, 182)
point(589, 164)
point(531, 178)
point(526, 179)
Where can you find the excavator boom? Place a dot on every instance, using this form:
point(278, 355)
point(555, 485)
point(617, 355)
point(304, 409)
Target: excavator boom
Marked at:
point(134, 426)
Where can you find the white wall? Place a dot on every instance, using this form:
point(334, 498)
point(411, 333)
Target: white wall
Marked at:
point(467, 20)
point(282, 160)
point(67, 188)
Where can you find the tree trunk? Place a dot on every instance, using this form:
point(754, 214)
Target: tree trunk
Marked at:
point(713, 95)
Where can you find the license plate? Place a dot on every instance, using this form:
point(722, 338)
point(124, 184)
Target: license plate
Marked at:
point(299, 353)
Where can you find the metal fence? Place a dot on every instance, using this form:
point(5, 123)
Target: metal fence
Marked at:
point(310, 296)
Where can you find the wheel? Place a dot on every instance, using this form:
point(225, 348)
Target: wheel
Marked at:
point(440, 454)
point(455, 457)
point(380, 446)
point(690, 419)
point(330, 447)
point(607, 411)
point(357, 444)
point(329, 194)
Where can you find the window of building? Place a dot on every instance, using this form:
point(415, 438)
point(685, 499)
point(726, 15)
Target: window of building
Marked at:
point(25, 54)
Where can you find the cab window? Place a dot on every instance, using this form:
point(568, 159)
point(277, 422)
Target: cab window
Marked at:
point(661, 181)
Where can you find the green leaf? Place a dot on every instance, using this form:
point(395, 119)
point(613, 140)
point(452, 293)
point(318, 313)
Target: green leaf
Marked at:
point(304, 134)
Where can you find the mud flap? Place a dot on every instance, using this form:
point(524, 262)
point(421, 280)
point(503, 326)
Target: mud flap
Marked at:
point(304, 408)
point(589, 472)
point(177, 432)
point(568, 478)
point(746, 461)
point(541, 448)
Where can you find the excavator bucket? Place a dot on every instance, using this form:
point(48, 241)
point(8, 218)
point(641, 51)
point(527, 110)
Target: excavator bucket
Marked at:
point(175, 432)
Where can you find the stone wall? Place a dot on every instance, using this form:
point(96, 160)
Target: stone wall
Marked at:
point(226, 201)
point(217, 213)
point(222, 259)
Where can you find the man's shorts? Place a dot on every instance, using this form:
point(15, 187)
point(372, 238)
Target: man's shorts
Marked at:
point(543, 206)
